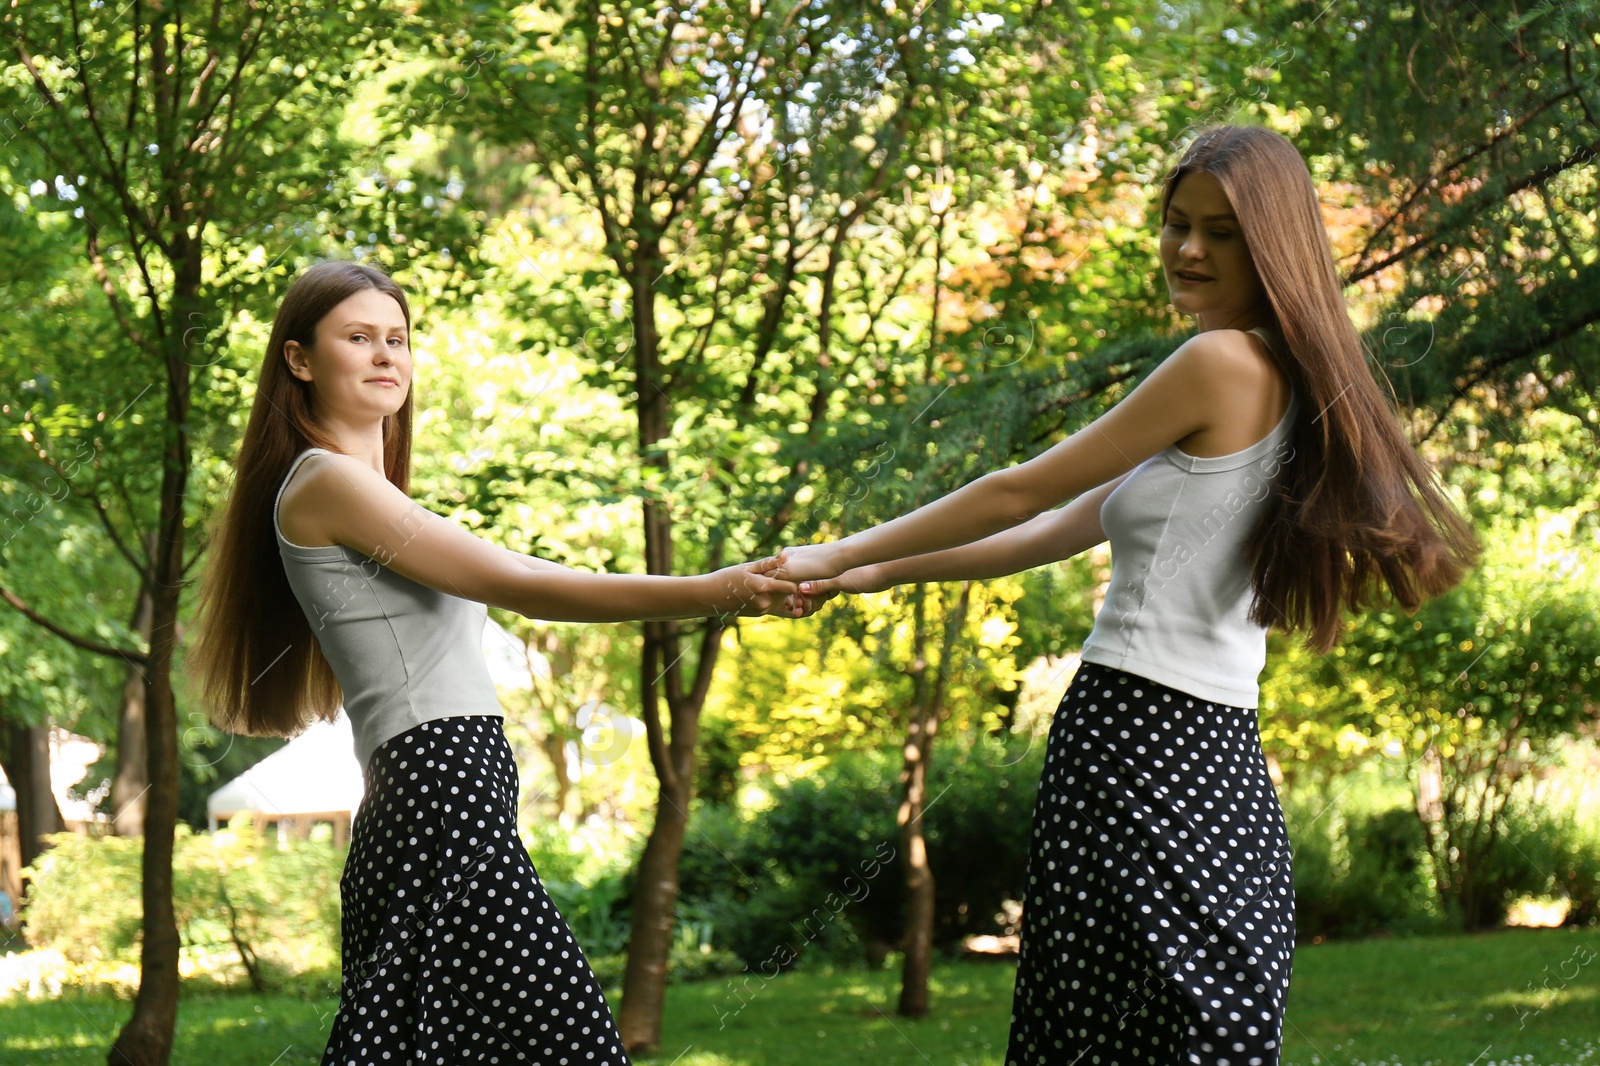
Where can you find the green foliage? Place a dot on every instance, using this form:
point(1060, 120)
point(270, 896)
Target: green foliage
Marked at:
point(1567, 846)
point(979, 821)
point(1358, 872)
point(1362, 864)
point(596, 911)
point(276, 911)
point(77, 868)
point(793, 693)
point(773, 883)
point(815, 874)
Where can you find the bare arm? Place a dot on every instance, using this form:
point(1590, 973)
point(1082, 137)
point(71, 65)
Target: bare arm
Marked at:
point(368, 513)
point(1177, 398)
point(1046, 538)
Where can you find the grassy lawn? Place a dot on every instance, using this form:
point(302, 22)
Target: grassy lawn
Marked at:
point(1526, 996)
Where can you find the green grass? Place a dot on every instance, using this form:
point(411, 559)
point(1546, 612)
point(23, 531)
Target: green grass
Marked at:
point(1477, 999)
point(1525, 996)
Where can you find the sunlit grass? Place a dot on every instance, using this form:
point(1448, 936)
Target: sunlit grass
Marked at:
point(1447, 1000)
point(1521, 995)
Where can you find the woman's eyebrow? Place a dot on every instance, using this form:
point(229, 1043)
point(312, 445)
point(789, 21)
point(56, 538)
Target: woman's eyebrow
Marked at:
point(369, 325)
point(1208, 218)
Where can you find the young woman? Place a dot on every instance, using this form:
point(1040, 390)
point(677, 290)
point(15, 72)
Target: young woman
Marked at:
point(1257, 477)
point(326, 581)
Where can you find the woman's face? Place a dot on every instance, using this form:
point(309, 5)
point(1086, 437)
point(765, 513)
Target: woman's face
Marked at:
point(1202, 240)
point(361, 341)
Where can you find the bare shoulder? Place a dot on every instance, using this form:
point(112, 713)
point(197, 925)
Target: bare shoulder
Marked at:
point(1230, 351)
point(1246, 390)
point(323, 485)
point(1237, 360)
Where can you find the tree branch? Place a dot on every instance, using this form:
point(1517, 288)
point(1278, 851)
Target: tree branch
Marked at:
point(128, 655)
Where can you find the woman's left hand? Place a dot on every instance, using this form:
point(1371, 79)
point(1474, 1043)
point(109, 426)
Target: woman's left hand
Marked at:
point(807, 561)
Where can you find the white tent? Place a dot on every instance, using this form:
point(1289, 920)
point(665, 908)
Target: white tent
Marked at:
point(316, 778)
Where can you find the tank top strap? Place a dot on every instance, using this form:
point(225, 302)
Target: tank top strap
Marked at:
point(1273, 338)
point(293, 466)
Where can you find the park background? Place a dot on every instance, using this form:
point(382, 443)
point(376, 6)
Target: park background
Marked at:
point(692, 282)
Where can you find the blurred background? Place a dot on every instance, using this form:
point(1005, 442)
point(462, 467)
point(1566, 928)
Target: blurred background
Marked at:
point(691, 282)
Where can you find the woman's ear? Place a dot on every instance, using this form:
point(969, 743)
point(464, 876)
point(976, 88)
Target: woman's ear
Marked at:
point(294, 357)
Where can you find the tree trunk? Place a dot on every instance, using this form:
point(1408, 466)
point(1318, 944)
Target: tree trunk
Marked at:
point(133, 769)
point(27, 765)
point(655, 904)
point(929, 688)
point(918, 963)
point(655, 898)
point(661, 680)
point(146, 1040)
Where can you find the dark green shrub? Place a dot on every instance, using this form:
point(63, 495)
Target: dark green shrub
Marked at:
point(1358, 872)
point(978, 844)
point(1387, 886)
point(598, 912)
point(1516, 863)
point(818, 873)
point(1317, 846)
point(799, 878)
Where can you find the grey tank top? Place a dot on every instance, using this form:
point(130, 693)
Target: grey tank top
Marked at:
point(1176, 610)
point(404, 653)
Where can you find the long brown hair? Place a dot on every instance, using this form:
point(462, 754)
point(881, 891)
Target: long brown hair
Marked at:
point(1355, 505)
point(260, 670)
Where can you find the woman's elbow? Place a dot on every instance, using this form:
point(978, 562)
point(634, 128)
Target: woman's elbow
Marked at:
point(1015, 500)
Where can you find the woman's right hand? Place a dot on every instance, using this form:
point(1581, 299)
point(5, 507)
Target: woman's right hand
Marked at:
point(746, 589)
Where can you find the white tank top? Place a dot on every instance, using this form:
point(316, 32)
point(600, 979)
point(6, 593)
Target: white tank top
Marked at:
point(1176, 610)
point(404, 653)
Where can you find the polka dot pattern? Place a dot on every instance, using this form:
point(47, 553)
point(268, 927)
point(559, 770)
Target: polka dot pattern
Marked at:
point(1158, 926)
point(453, 951)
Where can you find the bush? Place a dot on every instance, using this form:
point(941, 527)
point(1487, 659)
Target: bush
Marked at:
point(817, 874)
point(1362, 869)
point(1358, 871)
point(1549, 849)
point(1516, 863)
point(761, 882)
point(75, 869)
point(978, 845)
point(598, 912)
point(234, 893)
point(1576, 865)
point(590, 876)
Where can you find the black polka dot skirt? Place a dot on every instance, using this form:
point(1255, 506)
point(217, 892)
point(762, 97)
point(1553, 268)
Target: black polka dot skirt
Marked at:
point(1159, 920)
point(453, 952)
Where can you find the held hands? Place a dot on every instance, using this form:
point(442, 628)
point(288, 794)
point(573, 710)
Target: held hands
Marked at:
point(813, 567)
point(808, 561)
point(752, 589)
point(813, 594)
point(794, 583)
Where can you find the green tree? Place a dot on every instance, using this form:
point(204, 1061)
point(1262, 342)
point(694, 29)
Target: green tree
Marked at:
point(738, 161)
point(180, 140)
